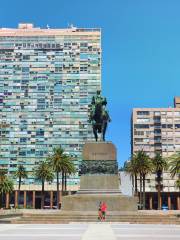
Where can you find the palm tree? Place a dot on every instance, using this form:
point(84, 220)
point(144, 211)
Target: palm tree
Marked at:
point(43, 173)
point(132, 168)
point(3, 172)
point(61, 163)
point(68, 170)
point(159, 165)
point(144, 167)
point(20, 174)
point(174, 166)
point(6, 186)
point(56, 161)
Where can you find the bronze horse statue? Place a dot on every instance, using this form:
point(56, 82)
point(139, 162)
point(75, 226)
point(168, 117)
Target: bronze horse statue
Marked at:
point(99, 116)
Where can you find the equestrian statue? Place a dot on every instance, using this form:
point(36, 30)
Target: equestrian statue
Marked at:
point(99, 116)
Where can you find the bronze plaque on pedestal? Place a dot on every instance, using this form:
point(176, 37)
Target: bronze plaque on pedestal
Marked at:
point(99, 151)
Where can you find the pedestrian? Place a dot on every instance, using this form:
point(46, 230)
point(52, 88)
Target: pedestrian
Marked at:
point(103, 210)
point(100, 212)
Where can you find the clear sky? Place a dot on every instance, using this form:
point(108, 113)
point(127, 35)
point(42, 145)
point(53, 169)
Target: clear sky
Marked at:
point(141, 50)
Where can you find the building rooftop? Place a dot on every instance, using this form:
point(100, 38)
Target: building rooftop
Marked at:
point(28, 29)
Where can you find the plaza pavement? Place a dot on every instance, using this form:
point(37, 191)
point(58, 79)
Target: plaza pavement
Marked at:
point(89, 231)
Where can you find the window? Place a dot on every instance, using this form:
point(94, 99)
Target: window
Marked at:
point(141, 126)
point(83, 44)
point(41, 103)
point(40, 132)
point(157, 113)
point(142, 120)
point(157, 131)
point(25, 69)
point(142, 112)
point(23, 140)
point(41, 88)
point(139, 133)
point(177, 113)
point(157, 138)
point(169, 113)
point(157, 118)
point(26, 57)
point(83, 69)
point(167, 126)
point(22, 153)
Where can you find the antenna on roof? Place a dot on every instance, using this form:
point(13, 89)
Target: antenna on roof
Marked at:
point(70, 25)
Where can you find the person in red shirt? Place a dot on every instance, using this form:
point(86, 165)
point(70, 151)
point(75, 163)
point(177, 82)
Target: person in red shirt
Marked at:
point(103, 210)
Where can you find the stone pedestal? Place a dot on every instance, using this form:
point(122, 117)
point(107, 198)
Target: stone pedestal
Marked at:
point(99, 181)
point(90, 202)
point(99, 169)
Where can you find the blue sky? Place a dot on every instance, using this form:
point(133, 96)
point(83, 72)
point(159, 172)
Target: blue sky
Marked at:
point(141, 50)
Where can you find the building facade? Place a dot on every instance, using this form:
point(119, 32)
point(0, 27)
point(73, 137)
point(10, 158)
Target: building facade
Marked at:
point(47, 80)
point(158, 130)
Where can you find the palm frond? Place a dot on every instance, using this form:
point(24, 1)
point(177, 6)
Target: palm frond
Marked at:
point(6, 185)
point(174, 164)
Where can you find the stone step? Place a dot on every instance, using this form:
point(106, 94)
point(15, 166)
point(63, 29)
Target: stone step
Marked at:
point(99, 191)
point(92, 220)
point(110, 218)
point(96, 220)
point(95, 215)
point(80, 218)
point(44, 216)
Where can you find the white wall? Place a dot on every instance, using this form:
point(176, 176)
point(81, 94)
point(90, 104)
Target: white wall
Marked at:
point(126, 184)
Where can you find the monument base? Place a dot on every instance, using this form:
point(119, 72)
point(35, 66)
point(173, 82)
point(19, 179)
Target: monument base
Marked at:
point(99, 182)
point(90, 202)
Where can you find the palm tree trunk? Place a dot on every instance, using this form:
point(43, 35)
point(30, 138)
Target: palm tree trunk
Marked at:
point(19, 191)
point(144, 192)
point(1, 200)
point(136, 191)
point(62, 182)
point(140, 193)
point(57, 175)
point(158, 177)
point(159, 196)
point(42, 195)
point(65, 178)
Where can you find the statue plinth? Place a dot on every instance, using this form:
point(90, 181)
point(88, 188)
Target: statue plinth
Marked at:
point(99, 181)
point(99, 169)
point(99, 151)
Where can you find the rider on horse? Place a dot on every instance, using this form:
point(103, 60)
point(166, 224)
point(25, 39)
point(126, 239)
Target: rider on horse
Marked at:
point(98, 99)
point(99, 116)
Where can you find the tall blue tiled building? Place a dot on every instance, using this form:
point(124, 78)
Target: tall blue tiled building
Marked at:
point(47, 79)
